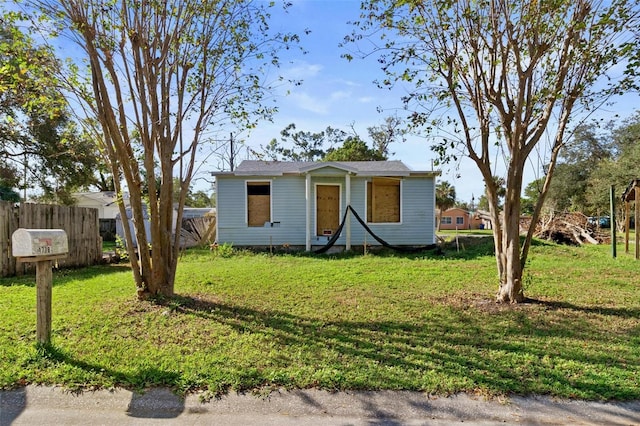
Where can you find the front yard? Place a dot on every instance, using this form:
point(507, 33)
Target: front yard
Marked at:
point(421, 322)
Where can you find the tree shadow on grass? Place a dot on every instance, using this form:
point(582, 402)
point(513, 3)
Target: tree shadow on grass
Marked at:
point(495, 357)
point(65, 275)
point(449, 349)
point(600, 310)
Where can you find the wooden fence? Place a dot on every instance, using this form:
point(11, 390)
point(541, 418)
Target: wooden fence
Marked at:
point(80, 224)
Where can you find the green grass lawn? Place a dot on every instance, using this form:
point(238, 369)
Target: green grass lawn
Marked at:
point(420, 322)
point(108, 246)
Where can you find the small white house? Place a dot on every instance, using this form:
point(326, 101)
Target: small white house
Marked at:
point(304, 203)
point(104, 202)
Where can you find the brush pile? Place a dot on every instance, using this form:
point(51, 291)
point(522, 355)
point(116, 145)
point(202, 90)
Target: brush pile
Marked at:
point(198, 231)
point(571, 229)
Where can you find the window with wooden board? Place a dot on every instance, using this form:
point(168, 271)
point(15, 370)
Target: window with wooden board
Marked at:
point(258, 203)
point(383, 200)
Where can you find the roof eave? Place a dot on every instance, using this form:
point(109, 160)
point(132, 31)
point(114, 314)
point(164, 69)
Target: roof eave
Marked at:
point(321, 165)
point(425, 173)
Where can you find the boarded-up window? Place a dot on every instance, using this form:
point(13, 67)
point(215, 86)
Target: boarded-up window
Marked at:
point(258, 203)
point(383, 200)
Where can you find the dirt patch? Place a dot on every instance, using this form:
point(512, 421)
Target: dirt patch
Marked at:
point(481, 303)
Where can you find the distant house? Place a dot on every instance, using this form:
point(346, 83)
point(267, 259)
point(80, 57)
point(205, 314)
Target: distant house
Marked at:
point(188, 213)
point(111, 223)
point(484, 219)
point(105, 202)
point(304, 203)
point(456, 218)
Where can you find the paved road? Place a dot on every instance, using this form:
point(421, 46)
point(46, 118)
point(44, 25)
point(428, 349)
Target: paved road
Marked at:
point(50, 405)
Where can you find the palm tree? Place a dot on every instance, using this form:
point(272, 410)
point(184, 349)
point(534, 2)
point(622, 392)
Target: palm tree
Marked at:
point(445, 199)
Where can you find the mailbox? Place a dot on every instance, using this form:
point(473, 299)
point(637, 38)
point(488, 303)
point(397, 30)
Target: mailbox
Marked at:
point(39, 242)
point(41, 246)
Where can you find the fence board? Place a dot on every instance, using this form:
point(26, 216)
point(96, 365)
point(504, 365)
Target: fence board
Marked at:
point(80, 223)
point(8, 223)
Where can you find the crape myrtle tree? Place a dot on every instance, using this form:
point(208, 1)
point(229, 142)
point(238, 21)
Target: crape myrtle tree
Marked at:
point(501, 76)
point(165, 76)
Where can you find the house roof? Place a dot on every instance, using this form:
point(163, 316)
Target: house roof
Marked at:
point(362, 168)
point(104, 198)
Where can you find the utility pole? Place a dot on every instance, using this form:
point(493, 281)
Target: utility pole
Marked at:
point(612, 220)
point(24, 190)
point(231, 156)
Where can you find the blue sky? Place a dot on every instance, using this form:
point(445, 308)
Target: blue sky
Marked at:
point(339, 93)
point(336, 92)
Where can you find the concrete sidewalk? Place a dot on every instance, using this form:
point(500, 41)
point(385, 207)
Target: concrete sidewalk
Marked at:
point(35, 405)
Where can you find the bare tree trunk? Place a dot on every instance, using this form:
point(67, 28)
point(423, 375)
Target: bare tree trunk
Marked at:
point(511, 289)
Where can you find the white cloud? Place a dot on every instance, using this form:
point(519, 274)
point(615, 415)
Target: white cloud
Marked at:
point(366, 99)
point(319, 103)
point(338, 95)
point(309, 103)
point(348, 83)
point(302, 70)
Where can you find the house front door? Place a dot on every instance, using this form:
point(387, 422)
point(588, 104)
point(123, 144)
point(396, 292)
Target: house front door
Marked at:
point(327, 209)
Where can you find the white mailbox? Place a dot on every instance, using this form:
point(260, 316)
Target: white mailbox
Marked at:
point(39, 242)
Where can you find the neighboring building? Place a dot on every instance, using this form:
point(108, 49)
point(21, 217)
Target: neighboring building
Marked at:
point(187, 214)
point(484, 219)
point(107, 206)
point(456, 218)
point(302, 203)
point(109, 215)
point(105, 202)
point(132, 226)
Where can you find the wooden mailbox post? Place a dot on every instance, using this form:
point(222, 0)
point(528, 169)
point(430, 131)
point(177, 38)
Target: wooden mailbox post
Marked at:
point(632, 194)
point(42, 246)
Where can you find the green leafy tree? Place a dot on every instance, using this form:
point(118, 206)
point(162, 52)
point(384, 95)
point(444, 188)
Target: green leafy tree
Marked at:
point(303, 146)
point(506, 75)
point(162, 77)
point(199, 199)
point(335, 144)
point(69, 160)
point(194, 199)
point(37, 134)
point(619, 169)
point(353, 149)
point(445, 199)
point(483, 203)
point(9, 179)
point(531, 194)
point(7, 193)
point(585, 149)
